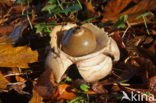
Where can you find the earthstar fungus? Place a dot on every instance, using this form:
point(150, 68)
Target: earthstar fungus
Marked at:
point(93, 65)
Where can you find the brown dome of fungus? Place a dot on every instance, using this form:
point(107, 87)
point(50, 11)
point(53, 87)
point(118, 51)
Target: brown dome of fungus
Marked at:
point(78, 41)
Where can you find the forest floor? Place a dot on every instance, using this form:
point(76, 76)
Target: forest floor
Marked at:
point(25, 26)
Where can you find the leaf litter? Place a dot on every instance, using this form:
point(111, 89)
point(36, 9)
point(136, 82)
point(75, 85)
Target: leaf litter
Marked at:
point(23, 49)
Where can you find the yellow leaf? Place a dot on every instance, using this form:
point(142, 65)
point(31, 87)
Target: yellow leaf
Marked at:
point(15, 56)
point(3, 81)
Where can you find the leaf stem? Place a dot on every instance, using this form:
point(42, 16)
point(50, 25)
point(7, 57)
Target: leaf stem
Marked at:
point(60, 4)
point(29, 21)
point(126, 28)
point(146, 25)
point(79, 4)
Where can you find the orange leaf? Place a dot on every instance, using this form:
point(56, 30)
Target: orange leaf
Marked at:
point(89, 7)
point(19, 79)
point(3, 81)
point(90, 92)
point(65, 92)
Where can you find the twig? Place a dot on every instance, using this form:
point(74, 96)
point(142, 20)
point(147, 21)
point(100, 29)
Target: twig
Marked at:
point(146, 25)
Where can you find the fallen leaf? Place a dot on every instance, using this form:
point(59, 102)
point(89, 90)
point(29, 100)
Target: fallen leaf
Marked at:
point(6, 3)
point(152, 85)
point(65, 91)
point(19, 79)
point(18, 88)
point(45, 85)
point(17, 9)
point(5, 29)
point(139, 67)
point(98, 88)
point(129, 70)
point(77, 82)
point(114, 9)
point(15, 56)
point(146, 65)
point(146, 53)
point(118, 39)
point(3, 81)
point(89, 7)
point(90, 92)
point(36, 98)
point(115, 88)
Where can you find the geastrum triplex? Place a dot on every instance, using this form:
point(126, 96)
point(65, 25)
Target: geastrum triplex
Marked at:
point(88, 46)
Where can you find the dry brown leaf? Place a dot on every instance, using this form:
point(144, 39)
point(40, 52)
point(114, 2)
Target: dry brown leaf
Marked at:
point(90, 92)
point(3, 81)
point(5, 29)
point(45, 84)
point(98, 88)
point(36, 98)
point(15, 56)
point(147, 54)
point(130, 69)
point(152, 85)
point(116, 8)
point(18, 9)
point(5, 3)
point(116, 36)
point(147, 66)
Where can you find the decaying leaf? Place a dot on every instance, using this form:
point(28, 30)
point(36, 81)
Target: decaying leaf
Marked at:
point(36, 98)
point(114, 9)
point(98, 88)
point(48, 89)
point(45, 85)
point(3, 81)
point(152, 85)
point(118, 39)
point(18, 88)
point(147, 66)
point(148, 54)
point(5, 29)
point(5, 3)
point(15, 56)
